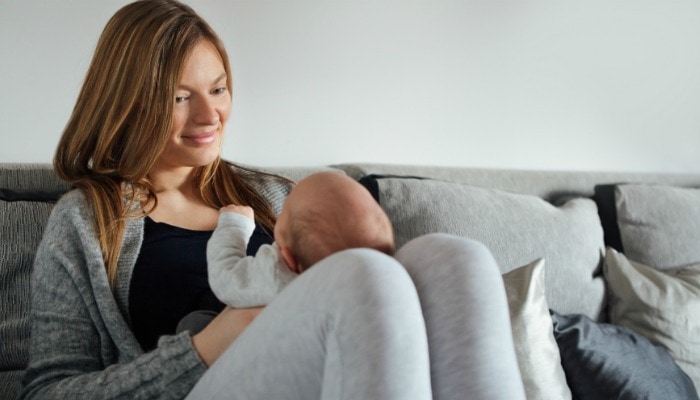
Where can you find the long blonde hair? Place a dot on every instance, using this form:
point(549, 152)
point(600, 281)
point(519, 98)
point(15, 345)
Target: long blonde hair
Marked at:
point(123, 117)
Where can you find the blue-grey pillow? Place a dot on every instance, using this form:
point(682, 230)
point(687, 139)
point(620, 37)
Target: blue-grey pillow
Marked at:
point(606, 361)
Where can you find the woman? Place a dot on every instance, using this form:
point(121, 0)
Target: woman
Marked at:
point(123, 259)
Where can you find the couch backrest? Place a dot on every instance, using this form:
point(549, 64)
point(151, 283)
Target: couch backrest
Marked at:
point(549, 185)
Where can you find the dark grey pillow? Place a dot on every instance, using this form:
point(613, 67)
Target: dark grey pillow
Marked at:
point(604, 198)
point(605, 361)
point(30, 195)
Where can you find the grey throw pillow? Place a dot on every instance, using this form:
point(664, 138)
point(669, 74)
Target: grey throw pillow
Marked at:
point(516, 228)
point(659, 225)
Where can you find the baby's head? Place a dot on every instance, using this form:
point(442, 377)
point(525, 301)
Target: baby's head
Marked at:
point(327, 212)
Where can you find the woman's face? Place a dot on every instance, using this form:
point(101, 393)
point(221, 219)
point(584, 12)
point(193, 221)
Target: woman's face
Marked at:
point(202, 106)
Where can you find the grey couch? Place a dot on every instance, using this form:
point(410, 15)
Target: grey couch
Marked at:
point(550, 231)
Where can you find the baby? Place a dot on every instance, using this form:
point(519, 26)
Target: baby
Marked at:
point(324, 213)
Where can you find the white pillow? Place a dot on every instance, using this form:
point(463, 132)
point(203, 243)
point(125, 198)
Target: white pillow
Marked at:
point(536, 349)
point(663, 306)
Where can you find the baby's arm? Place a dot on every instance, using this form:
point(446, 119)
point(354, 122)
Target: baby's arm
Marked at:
point(242, 210)
point(236, 279)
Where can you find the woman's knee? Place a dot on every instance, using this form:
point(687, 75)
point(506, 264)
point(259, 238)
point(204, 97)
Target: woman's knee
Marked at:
point(446, 240)
point(360, 275)
point(363, 268)
point(449, 252)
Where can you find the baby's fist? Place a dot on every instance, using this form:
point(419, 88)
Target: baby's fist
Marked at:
point(242, 210)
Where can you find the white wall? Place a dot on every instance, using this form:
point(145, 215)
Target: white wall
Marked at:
point(578, 85)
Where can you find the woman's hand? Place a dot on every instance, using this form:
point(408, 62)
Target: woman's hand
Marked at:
point(222, 331)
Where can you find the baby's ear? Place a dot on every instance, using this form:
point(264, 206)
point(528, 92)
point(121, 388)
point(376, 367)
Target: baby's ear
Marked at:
point(289, 259)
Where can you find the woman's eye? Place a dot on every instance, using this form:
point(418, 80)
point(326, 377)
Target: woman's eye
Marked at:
point(219, 90)
point(180, 99)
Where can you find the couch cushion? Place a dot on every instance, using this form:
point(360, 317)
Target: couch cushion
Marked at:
point(605, 361)
point(535, 347)
point(516, 228)
point(663, 306)
point(659, 225)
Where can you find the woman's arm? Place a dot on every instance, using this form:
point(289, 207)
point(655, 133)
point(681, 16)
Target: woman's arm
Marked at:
point(222, 331)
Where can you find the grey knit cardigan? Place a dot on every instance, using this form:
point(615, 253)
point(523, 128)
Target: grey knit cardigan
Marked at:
point(81, 343)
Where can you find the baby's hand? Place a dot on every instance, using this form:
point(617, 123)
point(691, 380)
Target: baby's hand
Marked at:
point(243, 210)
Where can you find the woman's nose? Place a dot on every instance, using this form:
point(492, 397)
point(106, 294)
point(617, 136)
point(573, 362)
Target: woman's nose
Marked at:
point(205, 112)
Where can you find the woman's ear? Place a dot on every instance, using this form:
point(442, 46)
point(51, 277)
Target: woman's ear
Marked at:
point(289, 259)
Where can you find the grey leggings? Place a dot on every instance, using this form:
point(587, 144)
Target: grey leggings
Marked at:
point(431, 323)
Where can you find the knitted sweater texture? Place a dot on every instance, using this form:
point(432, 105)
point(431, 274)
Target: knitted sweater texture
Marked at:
point(82, 346)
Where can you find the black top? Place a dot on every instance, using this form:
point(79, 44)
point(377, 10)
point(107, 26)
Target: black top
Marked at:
point(170, 279)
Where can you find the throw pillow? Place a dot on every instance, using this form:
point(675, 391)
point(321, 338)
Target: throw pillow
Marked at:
point(516, 228)
point(604, 197)
point(663, 306)
point(606, 361)
point(659, 225)
point(535, 347)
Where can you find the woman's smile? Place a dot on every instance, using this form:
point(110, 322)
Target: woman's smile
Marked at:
point(200, 139)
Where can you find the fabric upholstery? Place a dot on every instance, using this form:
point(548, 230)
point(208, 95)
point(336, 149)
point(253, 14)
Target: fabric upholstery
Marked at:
point(21, 227)
point(27, 178)
point(659, 225)
point(546, 184)
point(26, 191)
